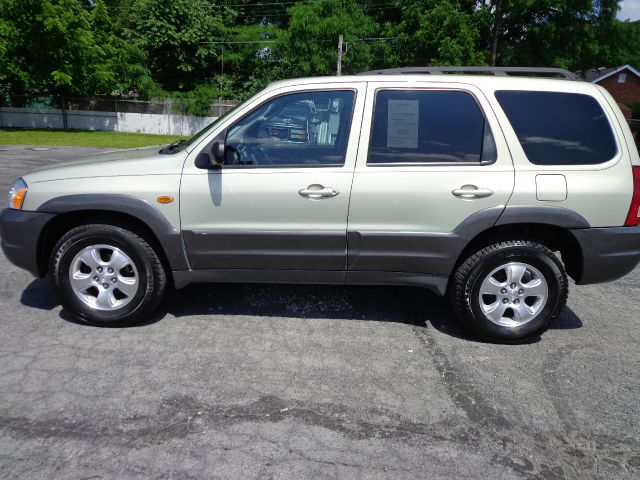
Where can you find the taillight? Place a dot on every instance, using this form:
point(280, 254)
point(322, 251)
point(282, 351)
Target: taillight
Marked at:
point(633, 218)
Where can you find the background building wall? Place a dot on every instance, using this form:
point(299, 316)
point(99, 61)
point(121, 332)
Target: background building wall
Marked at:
point(627, 92)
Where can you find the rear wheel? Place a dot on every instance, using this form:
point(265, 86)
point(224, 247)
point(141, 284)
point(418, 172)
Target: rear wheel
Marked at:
point(107, 275)
point(509, 291)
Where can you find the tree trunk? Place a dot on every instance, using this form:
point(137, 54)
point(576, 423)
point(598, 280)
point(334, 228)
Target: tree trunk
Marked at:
point(495, 32)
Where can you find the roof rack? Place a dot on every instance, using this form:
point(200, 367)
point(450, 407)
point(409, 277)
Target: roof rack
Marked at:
point(497, 71)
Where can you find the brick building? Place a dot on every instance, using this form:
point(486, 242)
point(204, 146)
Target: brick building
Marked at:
point(623, 83)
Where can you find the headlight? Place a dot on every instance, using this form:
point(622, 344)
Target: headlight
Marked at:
point(17, 193)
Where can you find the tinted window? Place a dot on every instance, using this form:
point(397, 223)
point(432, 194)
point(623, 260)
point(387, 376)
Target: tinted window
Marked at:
point(559, 128)
point(300, 129)
point(429, 127)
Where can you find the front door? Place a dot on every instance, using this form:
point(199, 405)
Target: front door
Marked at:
point(280, 201)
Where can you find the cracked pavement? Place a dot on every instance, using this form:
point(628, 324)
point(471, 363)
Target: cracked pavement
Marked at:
point(270, 382)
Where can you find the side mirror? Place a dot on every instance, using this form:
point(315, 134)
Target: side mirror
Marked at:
point(217, 154)
point(212, 157)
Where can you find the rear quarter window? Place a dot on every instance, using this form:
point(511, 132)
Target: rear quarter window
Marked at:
point(556, 128)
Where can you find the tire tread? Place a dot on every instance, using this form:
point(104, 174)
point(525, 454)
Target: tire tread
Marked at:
point(156, 285)
point(460, 293)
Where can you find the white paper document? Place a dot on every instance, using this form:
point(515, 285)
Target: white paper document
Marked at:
point(402, 125)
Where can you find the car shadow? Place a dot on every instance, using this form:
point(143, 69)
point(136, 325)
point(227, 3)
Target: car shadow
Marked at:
point(406, 305)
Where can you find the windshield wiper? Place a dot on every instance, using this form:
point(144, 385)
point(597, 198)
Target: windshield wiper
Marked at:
point(172, 146)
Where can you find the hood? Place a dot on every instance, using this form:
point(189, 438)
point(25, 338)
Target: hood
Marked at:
point(135, 161)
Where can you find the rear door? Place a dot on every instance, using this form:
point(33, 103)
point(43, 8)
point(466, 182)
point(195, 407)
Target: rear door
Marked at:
point(432, 162)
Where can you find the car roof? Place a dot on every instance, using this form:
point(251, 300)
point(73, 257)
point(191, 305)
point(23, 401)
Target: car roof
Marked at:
point(485, 82)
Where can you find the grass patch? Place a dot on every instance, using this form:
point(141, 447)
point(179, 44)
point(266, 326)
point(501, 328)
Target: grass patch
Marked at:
point(81, 138)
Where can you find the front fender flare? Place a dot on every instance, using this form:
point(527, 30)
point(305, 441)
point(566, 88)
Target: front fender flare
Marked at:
point(169, 238)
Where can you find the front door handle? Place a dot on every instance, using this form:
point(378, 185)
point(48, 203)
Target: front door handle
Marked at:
point(316, 192)
point(471, 191)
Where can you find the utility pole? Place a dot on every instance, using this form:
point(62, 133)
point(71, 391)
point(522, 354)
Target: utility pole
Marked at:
point(222, 68)
point(340, 38)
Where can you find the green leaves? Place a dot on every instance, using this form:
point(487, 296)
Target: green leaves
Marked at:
point(438, 32)
point(196, 50)
point(176, 35)
point(310, 43)
point(60, 46)
point(61, 79)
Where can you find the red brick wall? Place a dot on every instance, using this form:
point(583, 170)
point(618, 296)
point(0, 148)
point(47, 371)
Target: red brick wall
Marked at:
point(627, 92)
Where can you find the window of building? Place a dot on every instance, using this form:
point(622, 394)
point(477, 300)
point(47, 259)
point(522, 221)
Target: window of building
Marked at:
point(622, 77)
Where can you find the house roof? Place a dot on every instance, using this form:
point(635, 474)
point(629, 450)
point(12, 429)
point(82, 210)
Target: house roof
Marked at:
point(597, 75)
point(593, 73)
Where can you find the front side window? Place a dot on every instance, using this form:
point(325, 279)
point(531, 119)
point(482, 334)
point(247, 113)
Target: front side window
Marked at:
point(556, 128)
point(299, 129)
point(429, 126)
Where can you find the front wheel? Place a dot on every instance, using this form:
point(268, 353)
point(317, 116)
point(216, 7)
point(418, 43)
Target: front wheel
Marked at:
point(509, 291)
point(107, 275)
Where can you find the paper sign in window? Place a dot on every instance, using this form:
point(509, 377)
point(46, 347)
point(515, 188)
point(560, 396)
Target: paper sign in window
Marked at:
point(402, 124)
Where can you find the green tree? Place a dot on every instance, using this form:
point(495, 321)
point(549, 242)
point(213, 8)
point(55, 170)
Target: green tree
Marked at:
point(176, 36)
point(437, 32)
point(572, 34)
point(309, 45)
point(61, 46)
point(624, 47)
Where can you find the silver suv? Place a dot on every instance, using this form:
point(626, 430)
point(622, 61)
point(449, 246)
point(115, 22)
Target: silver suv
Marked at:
point(488, 188)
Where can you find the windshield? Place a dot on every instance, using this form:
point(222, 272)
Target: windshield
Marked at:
point(180, 145)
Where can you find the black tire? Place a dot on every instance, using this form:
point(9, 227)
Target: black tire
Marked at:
point(151, 275)
point(467, 280)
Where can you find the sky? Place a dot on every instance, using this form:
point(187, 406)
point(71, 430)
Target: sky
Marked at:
point(630, 10)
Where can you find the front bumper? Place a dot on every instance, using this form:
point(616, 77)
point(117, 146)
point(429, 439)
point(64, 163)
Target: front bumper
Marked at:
point(607, 253)
point(19, 234)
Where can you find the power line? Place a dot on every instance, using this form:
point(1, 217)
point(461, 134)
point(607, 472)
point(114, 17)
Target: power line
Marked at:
point(375, 6)
point(232, 42)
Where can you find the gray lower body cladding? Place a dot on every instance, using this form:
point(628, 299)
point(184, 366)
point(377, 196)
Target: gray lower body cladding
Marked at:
point(266, 250)
point(386, 258)
point(607, 253)
point(435, 283)
point(413, 252)
point(20, 232)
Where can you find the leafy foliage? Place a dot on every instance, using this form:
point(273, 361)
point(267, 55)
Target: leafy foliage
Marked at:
point(437, 32)
point(200, 50)
point(175, 34)
point(61, 46)
point(309, 44)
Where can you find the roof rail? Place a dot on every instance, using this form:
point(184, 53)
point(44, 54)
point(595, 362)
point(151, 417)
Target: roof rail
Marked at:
point(497, 71)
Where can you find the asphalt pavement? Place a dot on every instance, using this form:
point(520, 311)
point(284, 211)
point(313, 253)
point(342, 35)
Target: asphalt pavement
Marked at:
point(280, 382)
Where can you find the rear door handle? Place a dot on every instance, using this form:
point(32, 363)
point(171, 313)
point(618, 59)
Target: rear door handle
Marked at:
point(471, 191)
point(316, 191)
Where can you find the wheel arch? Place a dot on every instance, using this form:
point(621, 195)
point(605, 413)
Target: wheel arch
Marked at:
point(556, 238)
point(120, 210)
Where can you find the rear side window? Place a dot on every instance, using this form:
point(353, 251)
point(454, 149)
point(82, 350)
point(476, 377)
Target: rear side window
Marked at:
point(429, 126)
point(559, 128)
